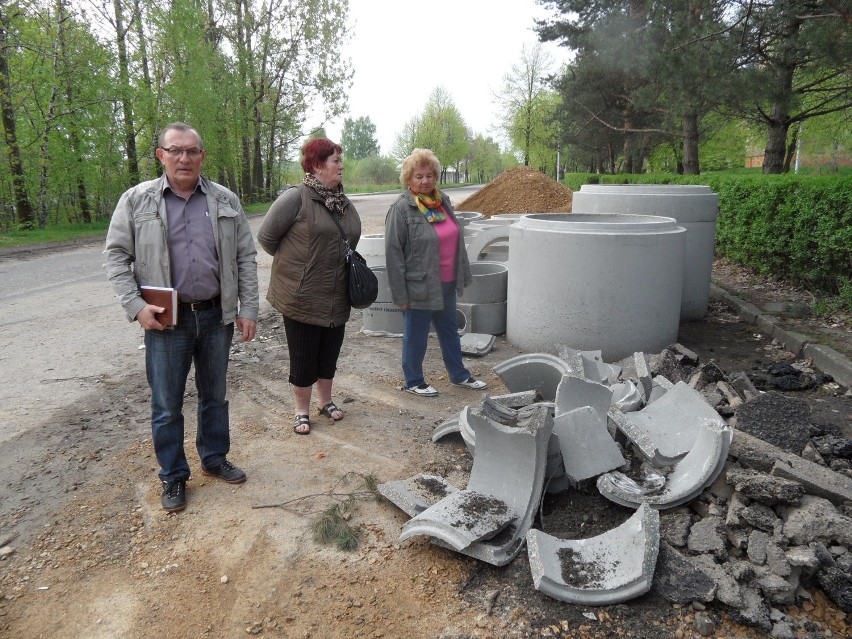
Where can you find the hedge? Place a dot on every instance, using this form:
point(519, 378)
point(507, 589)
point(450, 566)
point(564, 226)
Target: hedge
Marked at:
point(796, 228)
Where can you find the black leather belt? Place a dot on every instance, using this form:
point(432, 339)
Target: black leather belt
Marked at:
point(204, 305)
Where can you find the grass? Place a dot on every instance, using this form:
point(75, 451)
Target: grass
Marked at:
point(55, 234)
point(67, 232)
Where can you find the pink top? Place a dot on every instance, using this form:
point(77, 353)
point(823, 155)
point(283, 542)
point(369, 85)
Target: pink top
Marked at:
point(448, 242)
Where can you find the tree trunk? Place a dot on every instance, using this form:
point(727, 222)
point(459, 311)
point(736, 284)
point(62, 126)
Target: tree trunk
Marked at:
point(690, 144)
point(127, 108)
point(776, 145)
point(23, 207)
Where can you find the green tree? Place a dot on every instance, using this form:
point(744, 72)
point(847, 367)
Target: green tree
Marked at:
point(525, 103)
point(798, 54)
point(358, 138)
point(374, 169)
point(440, 128)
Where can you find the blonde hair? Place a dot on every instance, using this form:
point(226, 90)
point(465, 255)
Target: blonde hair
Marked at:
point(418, 158)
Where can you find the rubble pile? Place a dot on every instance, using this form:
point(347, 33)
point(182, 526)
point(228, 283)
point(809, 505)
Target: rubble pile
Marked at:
point(727, 495)
point(519, 189)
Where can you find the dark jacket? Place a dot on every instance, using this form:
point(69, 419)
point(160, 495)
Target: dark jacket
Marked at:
point(308, 279)
point(412, 259)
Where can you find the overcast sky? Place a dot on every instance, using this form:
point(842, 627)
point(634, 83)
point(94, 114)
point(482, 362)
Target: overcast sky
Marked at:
point(401, 50)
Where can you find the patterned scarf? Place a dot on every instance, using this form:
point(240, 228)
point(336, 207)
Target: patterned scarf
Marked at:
point(430, 206)
point(334, 198)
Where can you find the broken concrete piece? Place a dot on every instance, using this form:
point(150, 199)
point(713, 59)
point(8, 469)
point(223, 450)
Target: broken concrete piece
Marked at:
point(445, 428)
point(519, 440)
point(586, 446)
point(643, 375)
point(460, 519)
point(817, 480)
point(477, 344)
point(575, 392)
point(816, 519)
point(765, 489)
point(417, 493)
point(680, 579)
point(626, 396)
point(665, 430)
point(537, 371)
point(610, 568)
point(692, 474)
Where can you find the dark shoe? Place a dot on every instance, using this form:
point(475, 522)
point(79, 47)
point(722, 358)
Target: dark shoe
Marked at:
point(225, 471)
point(174, 495)
point(302, 425)
point(330, 409)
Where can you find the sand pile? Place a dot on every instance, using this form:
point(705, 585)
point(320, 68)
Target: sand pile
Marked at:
point(520, 189)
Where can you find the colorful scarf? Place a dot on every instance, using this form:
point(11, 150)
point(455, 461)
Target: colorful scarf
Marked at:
point(430, 206)
point(334, 198)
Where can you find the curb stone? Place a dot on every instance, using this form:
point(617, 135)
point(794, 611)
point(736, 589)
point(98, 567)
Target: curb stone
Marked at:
point(825, 358)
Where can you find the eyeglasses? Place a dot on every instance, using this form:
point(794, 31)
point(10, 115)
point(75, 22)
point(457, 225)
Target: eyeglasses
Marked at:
point(176, 153)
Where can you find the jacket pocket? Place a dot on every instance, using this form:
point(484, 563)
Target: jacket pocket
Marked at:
point(415, 282)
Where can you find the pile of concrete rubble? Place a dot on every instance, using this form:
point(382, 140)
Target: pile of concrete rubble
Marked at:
point(735, 499)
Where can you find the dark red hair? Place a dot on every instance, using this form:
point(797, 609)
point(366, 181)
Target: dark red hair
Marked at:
point(316, 151)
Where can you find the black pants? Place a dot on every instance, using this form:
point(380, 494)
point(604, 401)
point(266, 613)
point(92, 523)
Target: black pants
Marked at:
point(313, 351)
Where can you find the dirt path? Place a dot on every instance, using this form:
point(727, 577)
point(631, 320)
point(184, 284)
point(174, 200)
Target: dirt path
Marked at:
point(92, 555)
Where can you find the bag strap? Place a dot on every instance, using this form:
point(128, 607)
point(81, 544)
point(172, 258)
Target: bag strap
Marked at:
point(340, 228)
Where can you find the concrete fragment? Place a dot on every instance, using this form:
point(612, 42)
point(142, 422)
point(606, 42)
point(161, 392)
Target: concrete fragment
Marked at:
point(477, 344)
point(765, 489)
point(575, 392)
point(626, 396)
point(758, 541)
point(417, 493)
point(728, 591)
point(661, 385)
point(744, 385)
point(692, 474)
point(610, 568)
point(643, 375)
point(445, 428)
point(586, 446)
point(519, 440)
point(817, 480)
point(671, 424)
point(705, 536)
point(760, 516)
point(538, 371)
point(680, 579)
point(674, 527)
point(816, 519)
point(461, 518)
point(838, 586)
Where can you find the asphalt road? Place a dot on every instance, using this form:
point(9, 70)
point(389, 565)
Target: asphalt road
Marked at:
point(63, 332)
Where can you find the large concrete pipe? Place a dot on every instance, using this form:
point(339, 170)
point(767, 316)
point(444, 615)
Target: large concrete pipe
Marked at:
point(595, 282)
point(695, 207)
point(372, 248)
point(382, 317)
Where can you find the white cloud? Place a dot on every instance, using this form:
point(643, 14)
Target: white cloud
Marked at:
point(401, 50)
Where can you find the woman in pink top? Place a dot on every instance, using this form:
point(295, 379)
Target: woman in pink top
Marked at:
point(427, 267)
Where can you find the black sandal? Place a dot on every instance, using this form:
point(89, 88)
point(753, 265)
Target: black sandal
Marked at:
point(300, 422)
point(330, 408)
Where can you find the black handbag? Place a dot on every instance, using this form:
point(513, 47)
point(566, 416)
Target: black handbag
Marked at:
point(362, 286)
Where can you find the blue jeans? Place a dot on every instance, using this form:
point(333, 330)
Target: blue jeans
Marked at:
point(416, 332)
point(200, 338)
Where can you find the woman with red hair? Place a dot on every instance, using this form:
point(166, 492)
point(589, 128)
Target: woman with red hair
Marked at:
point(309, 276)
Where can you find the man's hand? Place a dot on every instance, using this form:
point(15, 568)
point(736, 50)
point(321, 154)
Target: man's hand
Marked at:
point(247, 327)
point(146, 318)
